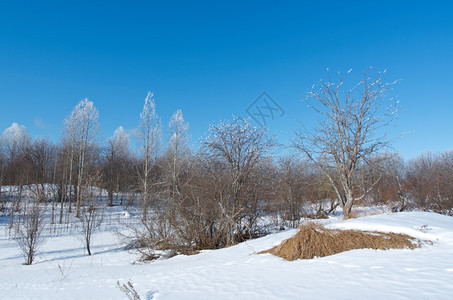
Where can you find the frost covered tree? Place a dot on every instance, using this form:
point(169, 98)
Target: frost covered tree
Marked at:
point(349, 131)
point(150, 135)
point(15, 139)
point(67, 159)
point(240, 146)
point(115, 160)
point(81, 129)
point(177, 150)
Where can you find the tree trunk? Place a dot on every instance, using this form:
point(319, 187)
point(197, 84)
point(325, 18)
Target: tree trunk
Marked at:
point(88, 248)
point(347, 206)
point(110, 198)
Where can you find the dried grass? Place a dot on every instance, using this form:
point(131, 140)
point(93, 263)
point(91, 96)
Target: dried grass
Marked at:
point(314, 240)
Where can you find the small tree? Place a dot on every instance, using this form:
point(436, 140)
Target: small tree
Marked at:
point(91, 218)
point(349, 132)
point(29, 232)
point(92, 214)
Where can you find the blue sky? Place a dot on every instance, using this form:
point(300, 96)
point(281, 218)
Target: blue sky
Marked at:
point(213, 59)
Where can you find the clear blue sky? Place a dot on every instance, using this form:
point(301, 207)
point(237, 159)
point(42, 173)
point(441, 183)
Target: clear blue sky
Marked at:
point(213, 59)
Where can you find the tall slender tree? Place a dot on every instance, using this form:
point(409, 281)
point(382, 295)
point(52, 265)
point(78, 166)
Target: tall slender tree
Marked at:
point(2, 165)
point(177, 150)
point(150, 134)
point(115, 160)
point(82, 129)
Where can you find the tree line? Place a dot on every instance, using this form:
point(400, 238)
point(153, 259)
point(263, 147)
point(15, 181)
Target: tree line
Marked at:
point(216, 196)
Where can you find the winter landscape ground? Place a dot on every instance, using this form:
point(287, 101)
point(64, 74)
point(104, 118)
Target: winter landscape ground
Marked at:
point(63, 270)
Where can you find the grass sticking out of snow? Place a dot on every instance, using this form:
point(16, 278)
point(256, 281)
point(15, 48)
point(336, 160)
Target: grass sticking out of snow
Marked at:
point(314, 240)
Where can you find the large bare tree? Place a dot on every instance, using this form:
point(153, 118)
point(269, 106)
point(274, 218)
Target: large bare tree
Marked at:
point(350, 130)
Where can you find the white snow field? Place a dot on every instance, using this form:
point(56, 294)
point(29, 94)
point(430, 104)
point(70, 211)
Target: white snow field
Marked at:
point(64, 271)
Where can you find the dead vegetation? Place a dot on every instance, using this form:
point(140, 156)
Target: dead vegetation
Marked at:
point(314, 240)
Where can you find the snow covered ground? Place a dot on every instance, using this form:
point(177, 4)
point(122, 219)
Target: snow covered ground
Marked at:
point(64, 271)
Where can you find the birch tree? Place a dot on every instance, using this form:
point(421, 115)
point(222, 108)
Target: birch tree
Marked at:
point(117, 155)
point(350, 131)
point(150, 135)
point(177, 149)
point(81, 128)
point(68, 151)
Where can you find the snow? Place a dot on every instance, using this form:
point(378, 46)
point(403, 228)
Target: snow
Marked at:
point(64, 271)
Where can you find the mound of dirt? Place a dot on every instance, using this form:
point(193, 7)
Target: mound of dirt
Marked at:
point(314, 240)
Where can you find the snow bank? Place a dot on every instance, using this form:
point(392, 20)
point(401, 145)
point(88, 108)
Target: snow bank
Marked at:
point(63, 271)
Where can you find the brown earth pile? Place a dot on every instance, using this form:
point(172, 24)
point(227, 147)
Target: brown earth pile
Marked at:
point(314, 240)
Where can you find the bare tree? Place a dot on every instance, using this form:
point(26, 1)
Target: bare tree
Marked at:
point(389, 172)
point(443, 202)
point(240, 146)
point(219, 200)
point(67, 159)
point(349, 131)
point(61, 177)
point(2, 166)
point(92, 213)
point(40, 156)
point(203, 219)
point(29, 233)
point(177, 150)
point(292, 189)
point(15, 140)
point(115, 160)
point(150, 134)
point(429, 181)
point(82, 128)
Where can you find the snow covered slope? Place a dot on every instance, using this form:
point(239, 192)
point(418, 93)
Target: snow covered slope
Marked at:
point(63, 271)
